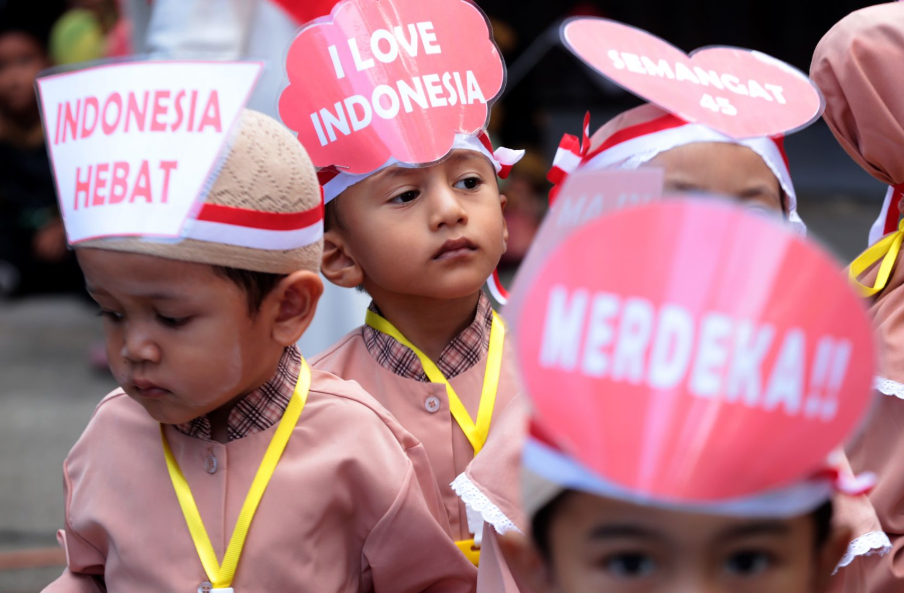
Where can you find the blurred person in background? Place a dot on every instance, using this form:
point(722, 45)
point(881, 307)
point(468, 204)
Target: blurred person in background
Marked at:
point(90, 30)
point(34, 258)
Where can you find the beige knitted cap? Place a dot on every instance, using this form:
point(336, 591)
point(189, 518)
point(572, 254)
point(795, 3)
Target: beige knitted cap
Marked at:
point(266, 170)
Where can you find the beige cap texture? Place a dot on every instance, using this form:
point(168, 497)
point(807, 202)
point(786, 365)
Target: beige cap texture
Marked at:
point(267, 169)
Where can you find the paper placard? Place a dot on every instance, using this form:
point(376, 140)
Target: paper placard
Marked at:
point(585, 195)
point(390, 79)
point(739, 92)
point(133, 144)
point(663, 345)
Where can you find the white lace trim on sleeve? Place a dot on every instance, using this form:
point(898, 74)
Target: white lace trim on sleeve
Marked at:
point(874, 542)
point(889, 387)
point(477, 500)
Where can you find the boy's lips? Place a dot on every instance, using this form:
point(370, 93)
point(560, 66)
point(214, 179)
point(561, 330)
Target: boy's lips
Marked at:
point(455, 248)
point(147, 389)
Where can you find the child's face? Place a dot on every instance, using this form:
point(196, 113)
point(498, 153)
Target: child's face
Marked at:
point(435, 232)
point(21, 58)
point(717, 167)
point(180, 339)
point(598, 544)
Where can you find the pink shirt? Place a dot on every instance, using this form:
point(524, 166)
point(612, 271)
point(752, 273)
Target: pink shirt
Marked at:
point(351, 507)
point(423, 409)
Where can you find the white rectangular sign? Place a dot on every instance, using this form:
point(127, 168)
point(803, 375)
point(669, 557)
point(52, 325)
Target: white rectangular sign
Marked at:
point(133, 145)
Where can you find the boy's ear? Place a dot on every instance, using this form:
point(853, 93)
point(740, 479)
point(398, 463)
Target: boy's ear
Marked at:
point(528, 567)
point(829, 556)
point(293, 303)
point(503, 201)
point(339, 265)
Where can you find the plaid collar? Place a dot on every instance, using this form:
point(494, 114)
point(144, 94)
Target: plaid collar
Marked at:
point(464, 351)
point(260, 409)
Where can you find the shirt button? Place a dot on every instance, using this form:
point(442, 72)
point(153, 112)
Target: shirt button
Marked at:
point(210, 464)
point(431, 404)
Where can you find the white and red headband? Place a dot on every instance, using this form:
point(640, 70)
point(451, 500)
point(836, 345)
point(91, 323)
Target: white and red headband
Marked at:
point(633, 146)
point(256, 229)
point(335, 181)
point(549, 471)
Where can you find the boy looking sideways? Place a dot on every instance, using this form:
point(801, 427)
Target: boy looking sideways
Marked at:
point(420, 235)
point(168, 478)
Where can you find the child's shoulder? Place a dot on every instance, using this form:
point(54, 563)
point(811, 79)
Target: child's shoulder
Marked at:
point(339, 353)
point(117, 411)
point(354, 410)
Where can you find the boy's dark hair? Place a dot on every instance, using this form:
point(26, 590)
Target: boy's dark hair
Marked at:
point(255, 285)
point(542, 520)
point(331, 216)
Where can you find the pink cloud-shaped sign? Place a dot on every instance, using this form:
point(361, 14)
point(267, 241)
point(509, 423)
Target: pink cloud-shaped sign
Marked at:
point(390, 78)
point(739, 92)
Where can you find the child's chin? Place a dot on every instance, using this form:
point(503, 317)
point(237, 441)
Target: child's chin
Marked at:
point(165, 414)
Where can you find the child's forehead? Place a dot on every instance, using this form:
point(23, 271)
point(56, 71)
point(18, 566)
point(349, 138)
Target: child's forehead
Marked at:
point(145, 276)
point(607, 518)
point(456, 158)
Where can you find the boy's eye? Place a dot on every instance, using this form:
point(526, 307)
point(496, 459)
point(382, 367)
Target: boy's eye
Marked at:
point(405, 197)
point(748, 563)
point(110, 315)
point(632, 565)
point(468, 183)
point(172, 321)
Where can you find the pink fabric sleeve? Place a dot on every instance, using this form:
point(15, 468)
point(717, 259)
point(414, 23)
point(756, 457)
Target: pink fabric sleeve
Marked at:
point(84, 562)
point(409, 551)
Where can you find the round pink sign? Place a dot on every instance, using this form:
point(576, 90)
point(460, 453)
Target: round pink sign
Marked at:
point(691, 351)
point(739, 92)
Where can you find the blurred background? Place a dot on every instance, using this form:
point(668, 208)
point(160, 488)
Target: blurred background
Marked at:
point(52, 366)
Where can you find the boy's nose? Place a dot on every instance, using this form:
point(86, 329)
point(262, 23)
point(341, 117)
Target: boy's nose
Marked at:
point(137, 346)
point(447, 209)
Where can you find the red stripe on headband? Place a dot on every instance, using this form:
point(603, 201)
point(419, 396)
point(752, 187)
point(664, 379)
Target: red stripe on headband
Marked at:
point(666, 122)
point(780, 144)
point(326, 174)
point(270, 221)
point(485, 140)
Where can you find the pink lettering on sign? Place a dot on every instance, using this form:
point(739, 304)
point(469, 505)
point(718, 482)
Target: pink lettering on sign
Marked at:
point(156, 111)
point(688, 339)
point(395, 78)
point(113, 183)
point(738, 92)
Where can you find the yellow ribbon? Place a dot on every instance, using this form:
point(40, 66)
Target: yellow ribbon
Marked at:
point(221, 575)
point(470, 551)
point(887, 250)
point(476, 432)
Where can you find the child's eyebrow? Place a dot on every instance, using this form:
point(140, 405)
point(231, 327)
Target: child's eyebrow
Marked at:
point(391, 172)
point(156, 296)
point(758, 190)
point(614, 531)
point(754, 529)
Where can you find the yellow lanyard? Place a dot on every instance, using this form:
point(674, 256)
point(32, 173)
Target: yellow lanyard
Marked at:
point(221, 576)
point(887, 250)
point(476, 432)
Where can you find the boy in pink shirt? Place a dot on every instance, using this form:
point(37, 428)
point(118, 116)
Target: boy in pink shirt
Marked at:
point(167, 480)
point(421, 234)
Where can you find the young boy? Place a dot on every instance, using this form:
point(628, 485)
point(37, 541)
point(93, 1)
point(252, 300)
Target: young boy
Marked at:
point(643, 469)
point(200, 333)
point(421, 240)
